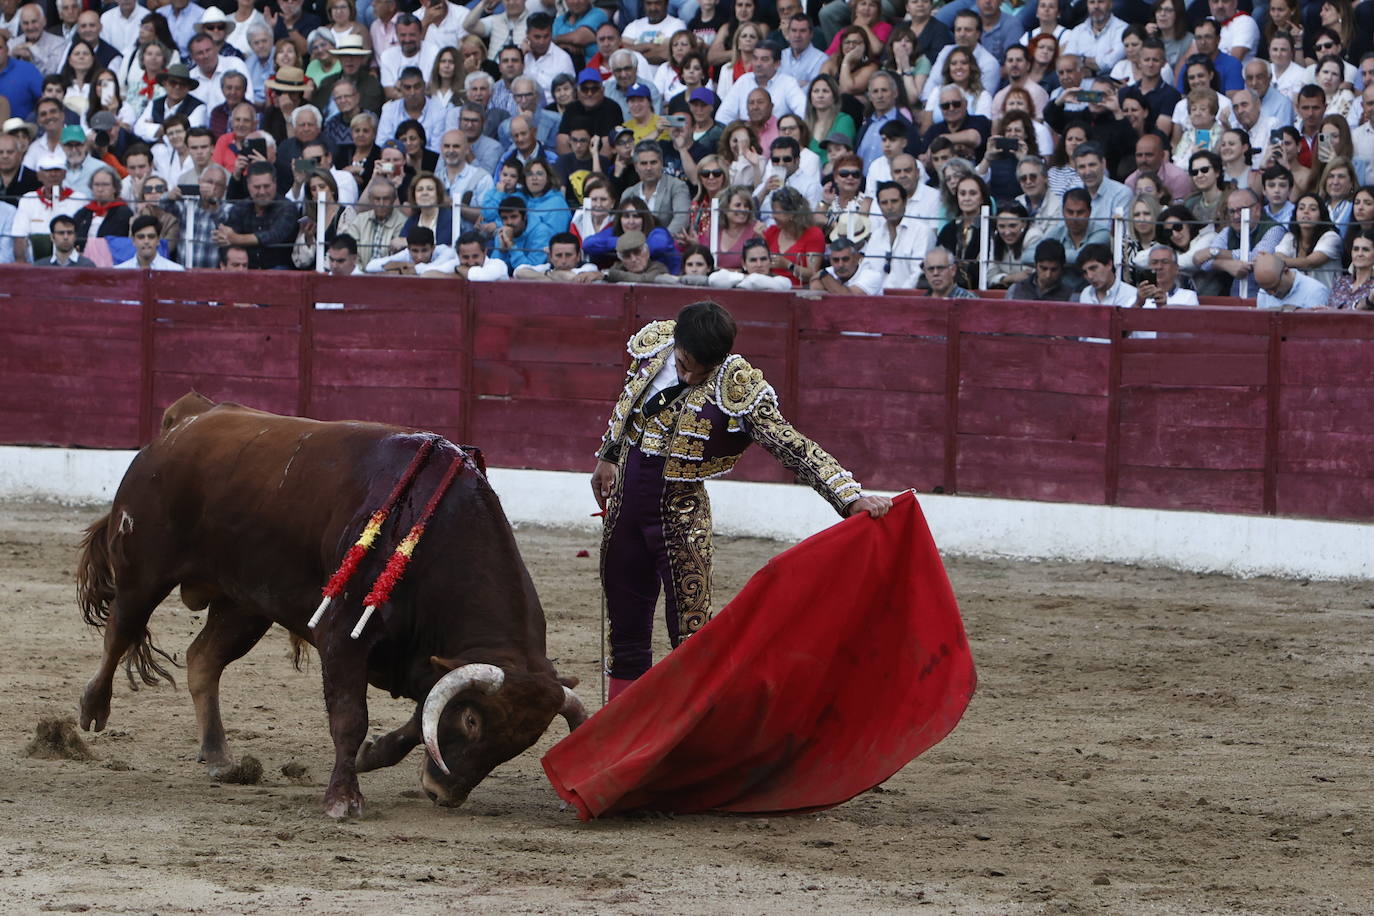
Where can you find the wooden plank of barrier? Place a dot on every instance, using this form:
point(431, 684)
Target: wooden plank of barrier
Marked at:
point(225, 315)
point(1044, 319)
point(1048, 364)
point(23, 282)
point(260, 287)
point(388, 368)
point(1033, 415)
point(386, 328)
point(1186, 446)
point(265, 393)
point(424, 408)
point(408, 294)
point(1325, 495)
point(547, 380)
point(899, 316)
point(209, 351)
point(1018, 468)
point(1195, 489)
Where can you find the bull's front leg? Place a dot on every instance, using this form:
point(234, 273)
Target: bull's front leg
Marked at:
point(344, 665)
point(391, 748)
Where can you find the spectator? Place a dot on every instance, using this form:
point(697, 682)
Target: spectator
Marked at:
point(525, 146)
point(177, 82)
point(962, 236)
point(1163, 289)
point(499, 30)
point(668, 198)
point(16, 179)
point(1108, 195)
point(518, 242)
point(359, 158)
point(35, 43)
point(1354, 289)
point(119, 24)
point(320, 188)
point(784, 172)
point(341, 257)
point(1077, 230)
point(526, 95)
point(849, 272)
point(969, 133)
point(547, 207)
point(757, 275)
point(293, 23)
point(20, 82)
point(941, 273)
point(801, 59)
point(146, 232)
point(353, 56)
point(1221, 265)
point(592, 107)
point(1048, 283)
point(1284, 287)
point(635, 263)
point(199, 217)
point(544, 60)
point(260, 60)
point(796, 241)
point(407, 52)
point(574, 30)
point(210, 70)
point(1042, 208)
point(1150, 157)
point(1207, 48)
point(625, 74)
point(564, 264)
point(1312, 244)
point(37, 208)
point(1010, 255)
point(1104, 288)
point(234, 259)
point(898, 243)
point(64, 253)
point(465, 183)
point(473, 263)
point(265, 224)
point(375, 221)
point(105, 215)
point(51, 123)
point(420, 257)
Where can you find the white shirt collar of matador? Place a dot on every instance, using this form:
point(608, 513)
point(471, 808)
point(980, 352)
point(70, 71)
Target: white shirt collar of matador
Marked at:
point(750, 408)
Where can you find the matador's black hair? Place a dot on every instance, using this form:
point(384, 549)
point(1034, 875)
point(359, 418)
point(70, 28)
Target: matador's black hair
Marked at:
point(706, 331)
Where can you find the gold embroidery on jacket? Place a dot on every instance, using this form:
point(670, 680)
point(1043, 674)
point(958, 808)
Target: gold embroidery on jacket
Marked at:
point(687, 531)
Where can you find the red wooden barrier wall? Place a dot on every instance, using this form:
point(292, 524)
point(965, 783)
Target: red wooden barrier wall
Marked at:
point(1208, 408)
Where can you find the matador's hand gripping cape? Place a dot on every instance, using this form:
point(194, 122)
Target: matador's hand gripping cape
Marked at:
point(704, 432)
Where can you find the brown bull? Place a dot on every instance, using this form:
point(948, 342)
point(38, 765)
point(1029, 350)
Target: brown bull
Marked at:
point(250, 513)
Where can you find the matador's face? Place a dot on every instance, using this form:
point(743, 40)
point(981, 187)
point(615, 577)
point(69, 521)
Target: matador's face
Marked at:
point(688, 369)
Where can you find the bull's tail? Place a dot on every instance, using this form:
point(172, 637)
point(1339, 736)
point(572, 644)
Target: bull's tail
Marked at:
point(95, 584)
point(101, 550)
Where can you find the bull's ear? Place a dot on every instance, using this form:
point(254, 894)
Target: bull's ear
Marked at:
point(568, 681)
point(443, 664)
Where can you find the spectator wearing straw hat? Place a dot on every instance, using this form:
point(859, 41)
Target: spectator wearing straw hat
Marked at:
point(353, 58)
point(177, 82)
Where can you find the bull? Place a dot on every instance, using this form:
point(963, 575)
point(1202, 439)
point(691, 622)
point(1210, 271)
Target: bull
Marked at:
point(249, 513)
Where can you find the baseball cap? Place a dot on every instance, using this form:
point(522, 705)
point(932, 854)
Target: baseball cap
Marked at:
point(703, 95)
point(630, 241)
point(102, 120)
point(53, 160)
point(589, 75)
point(72, 134)
point(842, 137)
point(638, 91)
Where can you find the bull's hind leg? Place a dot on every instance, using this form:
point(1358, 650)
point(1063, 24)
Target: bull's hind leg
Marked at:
point(228, 634)
point(126, 628)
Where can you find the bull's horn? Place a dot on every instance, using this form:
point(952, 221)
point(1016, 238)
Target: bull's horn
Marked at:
point(573, 710)
point(488, 677)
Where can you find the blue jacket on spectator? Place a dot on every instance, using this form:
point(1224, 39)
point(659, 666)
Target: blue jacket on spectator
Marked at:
point(549, 210)
point(601, 248)
point(528, 250)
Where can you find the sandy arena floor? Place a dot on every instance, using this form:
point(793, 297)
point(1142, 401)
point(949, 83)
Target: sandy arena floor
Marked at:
point(1143, 741)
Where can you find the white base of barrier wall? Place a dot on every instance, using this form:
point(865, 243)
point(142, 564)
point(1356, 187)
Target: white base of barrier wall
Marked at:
point(1239, 545)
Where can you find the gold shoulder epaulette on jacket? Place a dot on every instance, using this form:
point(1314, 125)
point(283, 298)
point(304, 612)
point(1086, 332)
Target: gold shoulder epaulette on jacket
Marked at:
point(740, 387)
point(653, 338)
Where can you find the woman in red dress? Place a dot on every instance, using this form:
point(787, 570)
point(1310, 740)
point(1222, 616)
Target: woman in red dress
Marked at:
point(796, 238)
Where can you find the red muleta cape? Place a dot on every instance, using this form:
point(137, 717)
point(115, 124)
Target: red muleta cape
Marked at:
point(836, 665)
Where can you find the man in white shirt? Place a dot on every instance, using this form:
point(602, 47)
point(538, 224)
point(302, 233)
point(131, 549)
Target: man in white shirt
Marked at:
point(442, 25)
point(649, 34)
point(787, 95)
point(210, 68)
point(467, 183)
point(1095, 263)
point(565, 264)
point(849, 273)
point(1247, 114)
point(146, 234)
point(1017, 71)
point(177, 81)
point(1362, 136)
point(473, 263)
point(1097, 40)
point(183, 19)
point(407, 52)
point(341, 260)
point(784, 170)
point(1281, 286)
point(545, 60)
point(119, 24)
point(33, 215)
point(968, 30)
point(413, 104)
point(898, 244)
point(1240, 34)
point(420, 256)
point(801, 60)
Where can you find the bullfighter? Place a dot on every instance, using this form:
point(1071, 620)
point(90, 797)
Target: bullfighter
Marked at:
point(687, 412)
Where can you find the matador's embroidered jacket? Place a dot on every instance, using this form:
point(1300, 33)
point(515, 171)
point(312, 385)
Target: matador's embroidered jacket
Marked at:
point(703, 433)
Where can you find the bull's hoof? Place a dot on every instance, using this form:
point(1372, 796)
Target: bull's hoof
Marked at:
point(95, 706)
point(341, 808)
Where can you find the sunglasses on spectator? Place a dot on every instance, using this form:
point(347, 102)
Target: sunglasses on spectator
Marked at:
point(1200, 170)
point(1028, 176)
point(217, 26)
point(1326, 45)
point(782, 160)
point(156, 188)
point(711, 173)
point(1173, 227)
point(946, 106)
point(849, 173)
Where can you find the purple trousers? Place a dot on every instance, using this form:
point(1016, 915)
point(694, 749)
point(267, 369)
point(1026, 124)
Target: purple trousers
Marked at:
point(657, 537)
